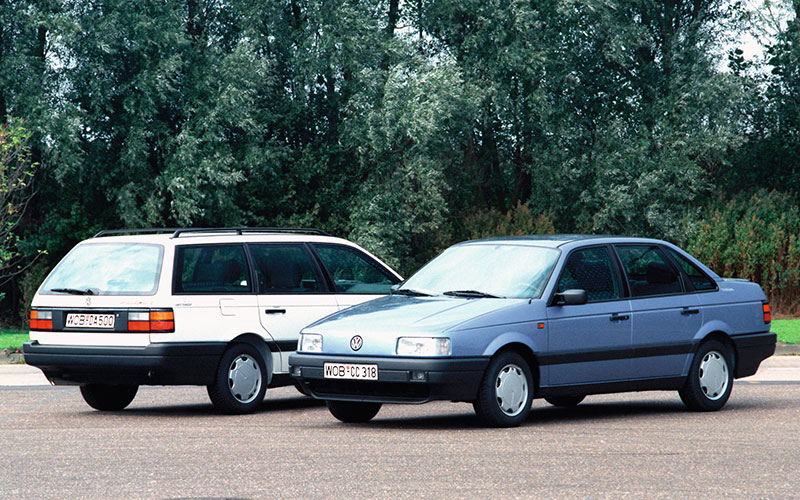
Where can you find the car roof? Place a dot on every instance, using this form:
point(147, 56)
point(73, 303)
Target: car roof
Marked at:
point(215, 235)
point(562, 240)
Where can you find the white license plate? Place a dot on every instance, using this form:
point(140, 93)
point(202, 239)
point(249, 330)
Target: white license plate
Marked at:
point(350, 371)
point(80, 320)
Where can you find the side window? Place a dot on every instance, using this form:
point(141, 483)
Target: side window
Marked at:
point(284, 268)
point(696, 276)
point(211, 269)
point(648, 271)
point(352, 272)
point(591, 270)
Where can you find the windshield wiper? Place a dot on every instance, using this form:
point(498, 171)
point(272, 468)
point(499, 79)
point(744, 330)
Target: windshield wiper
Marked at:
point(471, 293)
point(410, 291)
point(73, 291)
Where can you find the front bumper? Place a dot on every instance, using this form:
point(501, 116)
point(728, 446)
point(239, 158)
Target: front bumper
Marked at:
point(155, 364)
point(751, 350)
point(455, 379)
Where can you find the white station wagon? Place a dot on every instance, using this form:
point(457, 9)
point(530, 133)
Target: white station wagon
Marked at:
point(216, 307)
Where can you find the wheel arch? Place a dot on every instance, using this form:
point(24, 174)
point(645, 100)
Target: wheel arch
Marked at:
point(261, 346)
point(725, 339)
point(528, 355)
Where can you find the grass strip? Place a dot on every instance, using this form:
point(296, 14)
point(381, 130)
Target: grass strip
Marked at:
point(788, 330)
point(13, 339)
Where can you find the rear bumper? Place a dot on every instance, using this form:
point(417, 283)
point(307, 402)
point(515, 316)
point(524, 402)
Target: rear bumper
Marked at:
point(751, 350)
point(155, 364)
point(455, 379)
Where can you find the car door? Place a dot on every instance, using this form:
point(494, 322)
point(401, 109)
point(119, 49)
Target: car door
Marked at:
point(665, 316)
point(355, 276)
point(589, 343)
point(214, 294)
point(291, 293)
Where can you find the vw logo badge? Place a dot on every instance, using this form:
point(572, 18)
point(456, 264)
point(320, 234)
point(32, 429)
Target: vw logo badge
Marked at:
point(88, 301)
point(356, 343)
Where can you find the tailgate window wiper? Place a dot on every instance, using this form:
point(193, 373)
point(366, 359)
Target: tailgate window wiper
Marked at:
point(73, 291)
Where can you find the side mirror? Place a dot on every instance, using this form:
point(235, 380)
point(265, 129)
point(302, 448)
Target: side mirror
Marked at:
point(571, 298)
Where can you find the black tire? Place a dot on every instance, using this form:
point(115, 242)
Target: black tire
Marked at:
point(565, 401)
point(108, 397)
point(241, 380)
point(507, 371)
point(710, 379)
point(353, 412)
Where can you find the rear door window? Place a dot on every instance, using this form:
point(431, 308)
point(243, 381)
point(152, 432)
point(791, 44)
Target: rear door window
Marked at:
point(354, 272)
point(219, 269)
point(285, 268)
point(648, 271)
point(698, 278)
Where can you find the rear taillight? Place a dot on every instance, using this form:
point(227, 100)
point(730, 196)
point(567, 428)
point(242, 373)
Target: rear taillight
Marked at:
point(41, 320)
point(767, 314)
point(153, 321)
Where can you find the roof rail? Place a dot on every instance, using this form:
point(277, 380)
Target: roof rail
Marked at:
point(147, 230)
point(176, 232)
point(241, 230)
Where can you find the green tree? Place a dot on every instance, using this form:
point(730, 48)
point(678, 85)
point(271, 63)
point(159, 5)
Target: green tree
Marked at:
point(406, 145)
point(16, 173)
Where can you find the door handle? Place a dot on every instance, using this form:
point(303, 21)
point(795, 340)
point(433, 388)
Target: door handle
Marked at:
point(620, 317)
point(686, 311)
point(275, 311)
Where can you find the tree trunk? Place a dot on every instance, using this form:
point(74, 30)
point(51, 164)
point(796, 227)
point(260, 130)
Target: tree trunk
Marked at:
point(394, 13)
point(191, 20)
point(298, 16)
point(40, 54)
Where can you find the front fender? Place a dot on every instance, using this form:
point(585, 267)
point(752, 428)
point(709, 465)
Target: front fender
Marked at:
point(512, 337)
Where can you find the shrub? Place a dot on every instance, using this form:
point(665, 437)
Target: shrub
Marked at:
point(517, 221)
point(755, 237)
point(27, 287)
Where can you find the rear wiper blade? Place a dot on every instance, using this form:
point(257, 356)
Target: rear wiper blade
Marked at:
point(470, 293)
point(411, 291)
point(73, 291)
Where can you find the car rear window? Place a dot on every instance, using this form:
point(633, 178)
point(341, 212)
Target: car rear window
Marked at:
point(107, 269)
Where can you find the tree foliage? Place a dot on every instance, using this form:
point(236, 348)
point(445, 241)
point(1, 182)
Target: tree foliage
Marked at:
point(402, 125)
point(16, 173)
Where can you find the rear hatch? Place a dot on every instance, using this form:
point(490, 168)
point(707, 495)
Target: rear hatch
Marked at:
point(104, 294)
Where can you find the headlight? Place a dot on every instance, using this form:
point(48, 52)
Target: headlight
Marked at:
point(423, 346)
point(310, 342)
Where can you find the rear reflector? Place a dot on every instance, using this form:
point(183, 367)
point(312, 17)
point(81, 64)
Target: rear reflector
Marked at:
point(767, 314)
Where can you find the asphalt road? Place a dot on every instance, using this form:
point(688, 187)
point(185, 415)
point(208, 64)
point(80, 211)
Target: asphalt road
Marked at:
point(170, 444)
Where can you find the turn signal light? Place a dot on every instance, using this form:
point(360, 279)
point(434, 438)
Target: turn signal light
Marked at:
point(41, 320)
point(154, 321)
point(767, 314)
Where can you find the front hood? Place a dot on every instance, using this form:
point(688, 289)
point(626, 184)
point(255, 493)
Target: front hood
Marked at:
point(401, 314)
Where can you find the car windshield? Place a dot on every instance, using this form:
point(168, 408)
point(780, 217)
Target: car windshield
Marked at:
point(486, 270)
point(107, 269)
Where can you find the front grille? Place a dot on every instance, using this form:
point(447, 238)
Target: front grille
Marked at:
point(409, 392)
